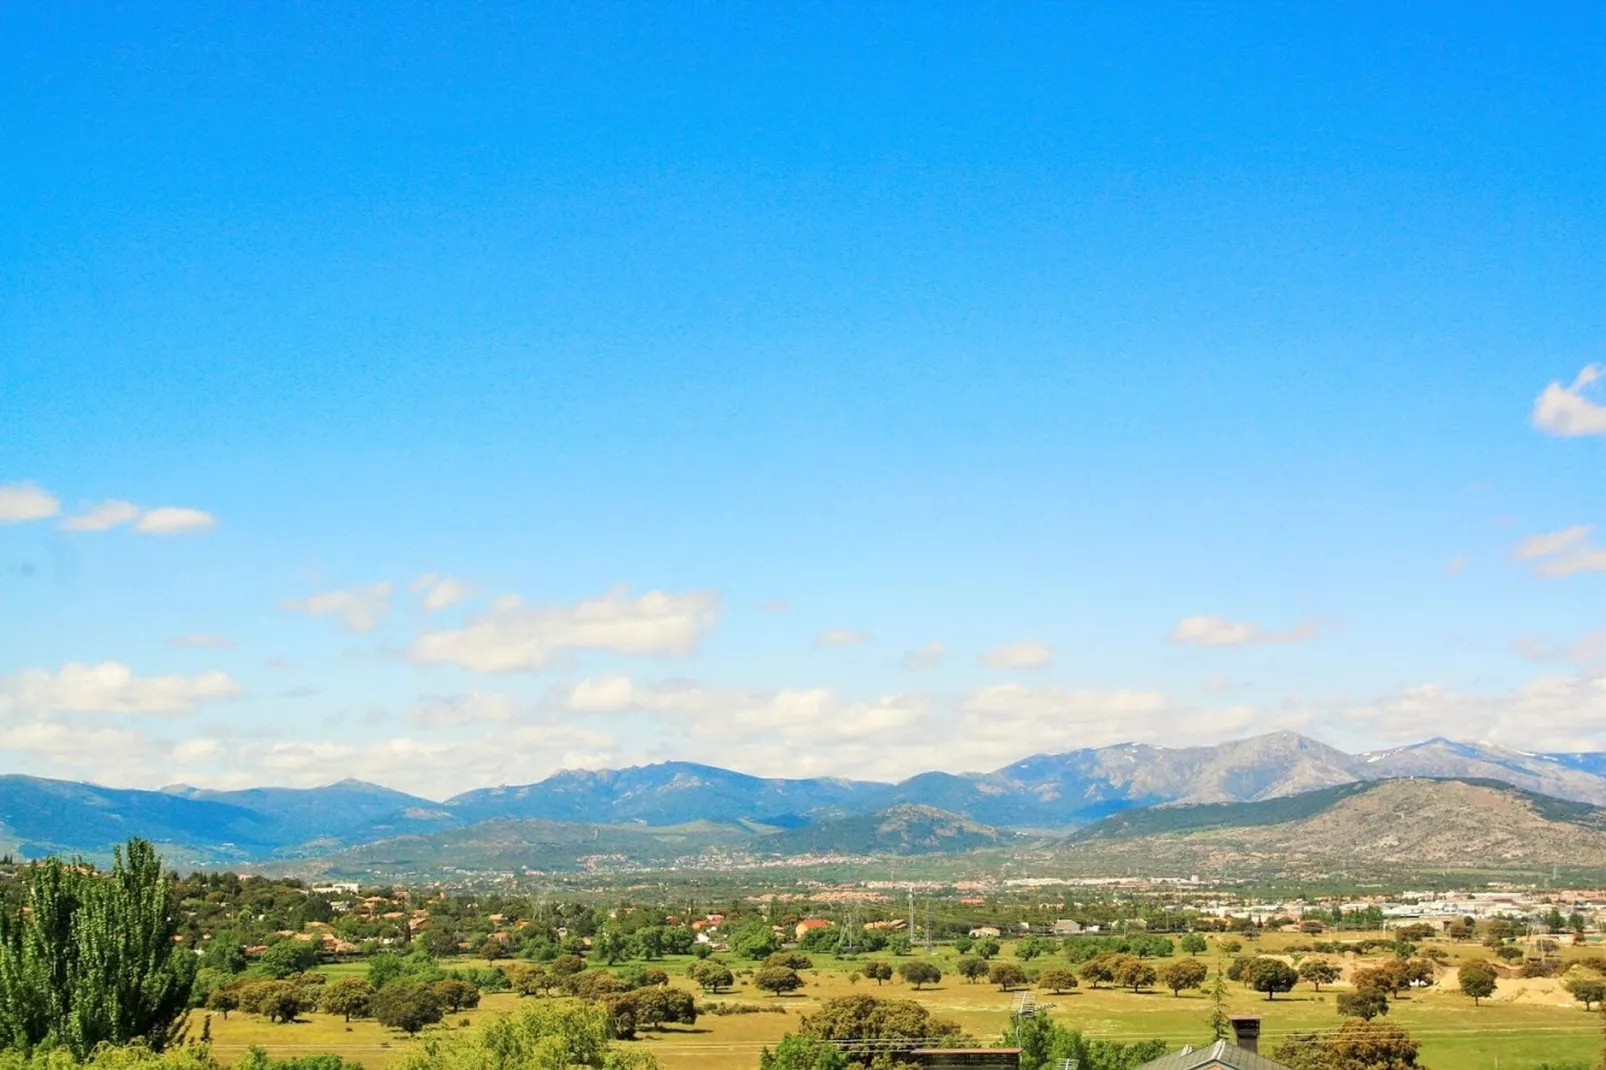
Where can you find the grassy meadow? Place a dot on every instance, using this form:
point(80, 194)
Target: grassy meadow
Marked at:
point(1525, 1024)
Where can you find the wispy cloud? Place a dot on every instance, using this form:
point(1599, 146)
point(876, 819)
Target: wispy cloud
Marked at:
point(360, 609)
point(925, 657)
point(1023, 654)
point(840, 637)
point(440, 591)
point(1220, 631)
point(513, 637)
point(111, 687)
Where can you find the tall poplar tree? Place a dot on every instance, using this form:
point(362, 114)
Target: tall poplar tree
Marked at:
point(91, 958)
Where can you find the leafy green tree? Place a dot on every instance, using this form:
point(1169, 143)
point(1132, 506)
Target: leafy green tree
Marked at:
point(797, 1052)
point(1272, 976)
point(1045, 1044)
point(1007, 975)
point(1363, 1003)
point(971, 968)
point(1587, 990)
point(223, 1000)
point(225, 952)
point(407, 1005)
point(1194, 944)
point(1184, 973)
point(792, 960)
point(1355, 1045)
point(1319, 972)
point(987, 947)
point(865, 1026)
point(93, 958)
point(609, 945)
point(1056, 979)
point(1133, 973)
point(385, 967)
point(962, 943)
point(348, 997)
point(919, 972)
point(778, 979)
point(456, 995)
point(878, 971)
point(710, 976)
point(286, 957)
point(900, 944)
point(756, 941)
point(1477, 981)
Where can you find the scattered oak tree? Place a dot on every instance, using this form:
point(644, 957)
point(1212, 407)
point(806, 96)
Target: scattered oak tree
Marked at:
point(1186, 973)
point(1056, 980)
point(1477, 980)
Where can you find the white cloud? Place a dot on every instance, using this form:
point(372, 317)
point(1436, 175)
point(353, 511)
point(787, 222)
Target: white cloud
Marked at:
point(111, 687)
point(840, 637)
point(359, 608)
point(1024, 654)
point(96, 751)
point(797, 716)
point(196, 751)
point(513, 637)
point(204, 640)
point(1569, 411)
point(439, 591)
point(1548, 713)
point(1551, 542)
point(475, 708)
point(1219, 631)
point(926, 657)
point(173, 520)
point(108, 514)
point(22, 502)
point(1589, 559)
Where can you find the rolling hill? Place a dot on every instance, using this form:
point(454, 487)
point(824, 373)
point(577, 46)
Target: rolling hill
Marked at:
point(1412, 825)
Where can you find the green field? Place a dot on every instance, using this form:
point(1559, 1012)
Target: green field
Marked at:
point(1525, 1024)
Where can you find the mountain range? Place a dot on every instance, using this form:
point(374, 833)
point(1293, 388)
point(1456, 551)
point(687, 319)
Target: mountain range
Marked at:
point(1044, 792)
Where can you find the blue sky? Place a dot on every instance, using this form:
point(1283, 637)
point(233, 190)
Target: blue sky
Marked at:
point(823, 391)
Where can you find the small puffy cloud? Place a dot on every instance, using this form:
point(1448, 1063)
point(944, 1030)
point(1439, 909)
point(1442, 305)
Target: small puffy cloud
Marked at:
point(22, 502)
point(840, 637)
point(111, 687)
point(926, 657)
point(476, 708)
point(1571, 411)
point(106, 515)
point(1550, 543)
point(196, 751)
point(1024, 654)
point(173, 520)
point(513, 637)
point(360, 609)
point(440, 591)
point(603, 694)
point(1219, 631)
point(203, 640)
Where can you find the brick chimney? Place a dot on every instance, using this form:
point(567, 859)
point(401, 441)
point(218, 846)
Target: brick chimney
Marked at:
point(1248, 1033)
